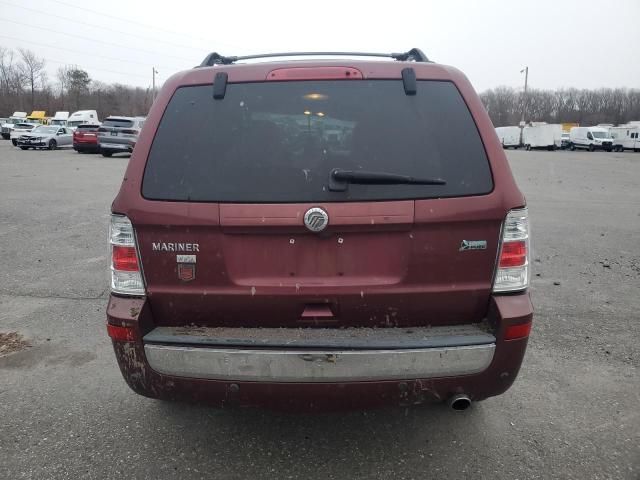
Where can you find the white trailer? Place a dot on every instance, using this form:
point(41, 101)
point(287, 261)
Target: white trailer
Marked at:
point(509, 136)
point(59, 119)
point(82, 117)
point(548, 136)
point(625, 137)
point(590, 138)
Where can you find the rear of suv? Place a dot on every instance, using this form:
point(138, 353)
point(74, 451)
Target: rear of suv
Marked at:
point(316, 234)
point(85, 138)
point(119, 134)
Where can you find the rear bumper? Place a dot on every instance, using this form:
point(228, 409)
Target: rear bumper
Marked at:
point(116, 146)
point(319, 378)
point(86, 146)
point(312, 366)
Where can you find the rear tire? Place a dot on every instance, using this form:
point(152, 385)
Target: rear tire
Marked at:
point(107, 154)
point(15, 142)
point(53, 145)
point(24, 148)
point(527, 148)
point(591, 148)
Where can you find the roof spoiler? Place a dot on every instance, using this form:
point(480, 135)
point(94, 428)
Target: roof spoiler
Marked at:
point(414, 55)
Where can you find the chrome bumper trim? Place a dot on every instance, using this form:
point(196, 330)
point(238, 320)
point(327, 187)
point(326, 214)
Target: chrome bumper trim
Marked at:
point(255, 365)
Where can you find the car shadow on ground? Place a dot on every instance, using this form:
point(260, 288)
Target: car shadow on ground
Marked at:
point(374, 440)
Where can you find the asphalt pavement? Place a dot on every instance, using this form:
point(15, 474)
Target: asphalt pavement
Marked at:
point(65, 411)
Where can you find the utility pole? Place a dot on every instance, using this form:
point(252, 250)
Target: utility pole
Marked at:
point(153, 73)
point(525, 70)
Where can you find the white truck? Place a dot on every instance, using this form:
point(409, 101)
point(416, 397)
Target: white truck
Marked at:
point(82, 117)
point(625, 137)
point(509, 136)
point(59, 119)
point(590, 138)
point(542, 135)
point(7, 127)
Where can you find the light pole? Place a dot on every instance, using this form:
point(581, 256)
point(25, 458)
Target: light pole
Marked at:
point(153, 76)
point(525, 70)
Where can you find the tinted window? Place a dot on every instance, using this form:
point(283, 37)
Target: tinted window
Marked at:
point(46, 130)
point(279, 141)
point(89, 128)
point(117, 122)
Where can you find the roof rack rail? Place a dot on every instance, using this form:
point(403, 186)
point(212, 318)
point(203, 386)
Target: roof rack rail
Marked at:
point(415, 55)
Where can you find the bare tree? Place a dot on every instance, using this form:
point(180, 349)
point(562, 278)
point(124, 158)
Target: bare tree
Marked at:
point(32, 69)
point(74, 89)
point(62, 75)
point(79, 81)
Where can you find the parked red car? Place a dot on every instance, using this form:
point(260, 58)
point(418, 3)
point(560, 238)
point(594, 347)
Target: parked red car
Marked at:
point(85, 139)
point(319, 234)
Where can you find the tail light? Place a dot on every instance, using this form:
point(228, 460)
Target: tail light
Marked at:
point(121, 334)
point(513, 270)
point(126, 277)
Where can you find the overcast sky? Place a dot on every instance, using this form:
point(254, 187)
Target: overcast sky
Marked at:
point(565, 43)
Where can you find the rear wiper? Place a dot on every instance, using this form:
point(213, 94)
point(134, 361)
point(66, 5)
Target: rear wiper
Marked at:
point(339, 179)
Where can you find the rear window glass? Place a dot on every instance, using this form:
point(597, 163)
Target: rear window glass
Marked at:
point(117, 122)
point(88, 127)
point(279, 141)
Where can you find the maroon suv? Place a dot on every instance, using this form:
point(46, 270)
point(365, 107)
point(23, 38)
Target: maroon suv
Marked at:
point(319, 233)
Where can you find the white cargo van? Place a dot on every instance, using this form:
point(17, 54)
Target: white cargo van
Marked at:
point(82, 117)
point(590, 138)
point(509, 136)
point(625, 137)
point(542, 135)
point(7, 127)
point(59, 119)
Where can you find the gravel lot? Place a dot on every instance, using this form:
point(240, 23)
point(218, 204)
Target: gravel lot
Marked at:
point(65, 411)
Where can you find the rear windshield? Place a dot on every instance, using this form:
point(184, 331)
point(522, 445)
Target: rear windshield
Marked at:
point(88, 127)
point(279, 141)
point(117, 122)
point(44, 129)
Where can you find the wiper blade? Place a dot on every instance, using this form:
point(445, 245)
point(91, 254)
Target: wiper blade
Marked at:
point(339, 179)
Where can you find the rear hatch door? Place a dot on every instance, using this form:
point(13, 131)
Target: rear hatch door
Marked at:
point(223, 239)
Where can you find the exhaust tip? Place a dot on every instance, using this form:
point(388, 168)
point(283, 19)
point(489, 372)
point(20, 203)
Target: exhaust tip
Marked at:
point(459, 402)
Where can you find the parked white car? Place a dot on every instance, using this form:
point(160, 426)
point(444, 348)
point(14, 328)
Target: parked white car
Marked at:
point(46, 136)
point(19, 129)
point(8, 125)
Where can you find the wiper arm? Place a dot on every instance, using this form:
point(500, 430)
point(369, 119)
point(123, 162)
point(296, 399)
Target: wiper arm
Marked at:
point(339, 179)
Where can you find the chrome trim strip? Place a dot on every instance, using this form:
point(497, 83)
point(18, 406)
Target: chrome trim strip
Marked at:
point(316, 365)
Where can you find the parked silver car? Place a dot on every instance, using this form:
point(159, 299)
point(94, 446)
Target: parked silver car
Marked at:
point(45, 136)
point(119, 134)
